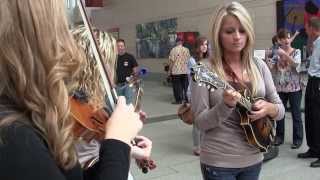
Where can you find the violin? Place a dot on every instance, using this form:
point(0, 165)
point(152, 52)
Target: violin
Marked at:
point(89, 121)
point(90, 124)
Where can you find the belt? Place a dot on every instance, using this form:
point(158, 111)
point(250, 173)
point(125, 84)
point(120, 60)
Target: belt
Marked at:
point(314, 78)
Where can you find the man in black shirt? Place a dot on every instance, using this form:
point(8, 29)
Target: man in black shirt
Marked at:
point(127, 67)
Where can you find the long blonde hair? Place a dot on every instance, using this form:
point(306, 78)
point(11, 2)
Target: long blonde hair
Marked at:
point(38, 55)
point(237, 10)
point(89, 80)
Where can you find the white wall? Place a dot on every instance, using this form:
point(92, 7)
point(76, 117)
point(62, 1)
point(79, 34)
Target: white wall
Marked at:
point(192, 15)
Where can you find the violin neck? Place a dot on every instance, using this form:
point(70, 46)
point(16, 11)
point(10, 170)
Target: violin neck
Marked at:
point(111, 94)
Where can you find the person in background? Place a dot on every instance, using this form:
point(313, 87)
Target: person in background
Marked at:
point(300, 42)
point(312, 96)
point(225, 151)
point(286, 77)
point(126, 71)
point(36, 131)
point(272, 53)
point(178, 59)
point(90, 90)
point(310, 10)
point(199, 53)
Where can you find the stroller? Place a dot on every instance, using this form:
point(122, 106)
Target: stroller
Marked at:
point(168, 79)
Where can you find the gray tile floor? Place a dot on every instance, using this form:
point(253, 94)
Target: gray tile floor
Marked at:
point(172, 142)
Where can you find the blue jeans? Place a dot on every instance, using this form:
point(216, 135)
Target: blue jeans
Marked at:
point(219, 173)
point(123, 89)
point(294, 99)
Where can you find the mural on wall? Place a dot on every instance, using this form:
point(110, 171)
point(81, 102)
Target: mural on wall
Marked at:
point(189, 39)
point(293, 14)
point(156, 39)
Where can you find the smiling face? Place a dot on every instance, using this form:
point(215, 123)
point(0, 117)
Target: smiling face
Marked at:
point(233, 37)
point(121, 48)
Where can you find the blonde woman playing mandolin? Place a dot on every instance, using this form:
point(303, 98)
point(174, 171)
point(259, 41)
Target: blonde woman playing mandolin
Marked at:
point(225, 150)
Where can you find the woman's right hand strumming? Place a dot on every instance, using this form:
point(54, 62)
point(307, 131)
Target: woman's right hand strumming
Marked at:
point(124, 124)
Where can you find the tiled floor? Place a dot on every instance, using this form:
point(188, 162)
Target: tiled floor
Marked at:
point(172, 142)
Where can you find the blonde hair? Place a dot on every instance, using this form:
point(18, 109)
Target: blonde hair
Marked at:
point(38, 55)
point(237, 10)
point(89, 80)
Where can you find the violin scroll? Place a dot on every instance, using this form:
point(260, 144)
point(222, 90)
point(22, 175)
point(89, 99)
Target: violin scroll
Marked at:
point(146, 165)
point(143, 162)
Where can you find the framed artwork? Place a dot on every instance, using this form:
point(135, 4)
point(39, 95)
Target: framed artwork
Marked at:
point(155, 39)
point(189, 39)
point(293, 15)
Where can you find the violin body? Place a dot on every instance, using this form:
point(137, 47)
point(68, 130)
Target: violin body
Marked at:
point(89, 123)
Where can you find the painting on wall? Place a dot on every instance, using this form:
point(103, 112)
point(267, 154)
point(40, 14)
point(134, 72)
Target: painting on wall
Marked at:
point(156, 39)
point(189, 39)
point(293, 14)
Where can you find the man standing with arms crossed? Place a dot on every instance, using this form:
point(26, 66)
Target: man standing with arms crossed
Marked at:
point(127, 67)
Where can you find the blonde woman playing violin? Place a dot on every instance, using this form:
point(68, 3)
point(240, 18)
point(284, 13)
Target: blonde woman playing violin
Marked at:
point(37, 57)
point(90, 90)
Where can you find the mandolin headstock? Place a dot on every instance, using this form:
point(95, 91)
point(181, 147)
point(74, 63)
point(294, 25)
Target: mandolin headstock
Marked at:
point(202, 75)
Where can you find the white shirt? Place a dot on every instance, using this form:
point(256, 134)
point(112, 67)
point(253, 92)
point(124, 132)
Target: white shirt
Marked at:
point(314, 68)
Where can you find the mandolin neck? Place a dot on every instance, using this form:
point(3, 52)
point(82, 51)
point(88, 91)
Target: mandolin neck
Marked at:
point(244, 100)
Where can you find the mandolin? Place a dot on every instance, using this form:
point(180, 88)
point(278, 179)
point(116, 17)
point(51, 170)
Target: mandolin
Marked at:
point(259, 133)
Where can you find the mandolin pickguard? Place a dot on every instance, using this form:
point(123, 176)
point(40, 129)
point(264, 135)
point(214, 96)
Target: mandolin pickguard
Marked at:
point(259, 132)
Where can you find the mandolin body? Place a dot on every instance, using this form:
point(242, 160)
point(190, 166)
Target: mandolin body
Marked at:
point(259, 133)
